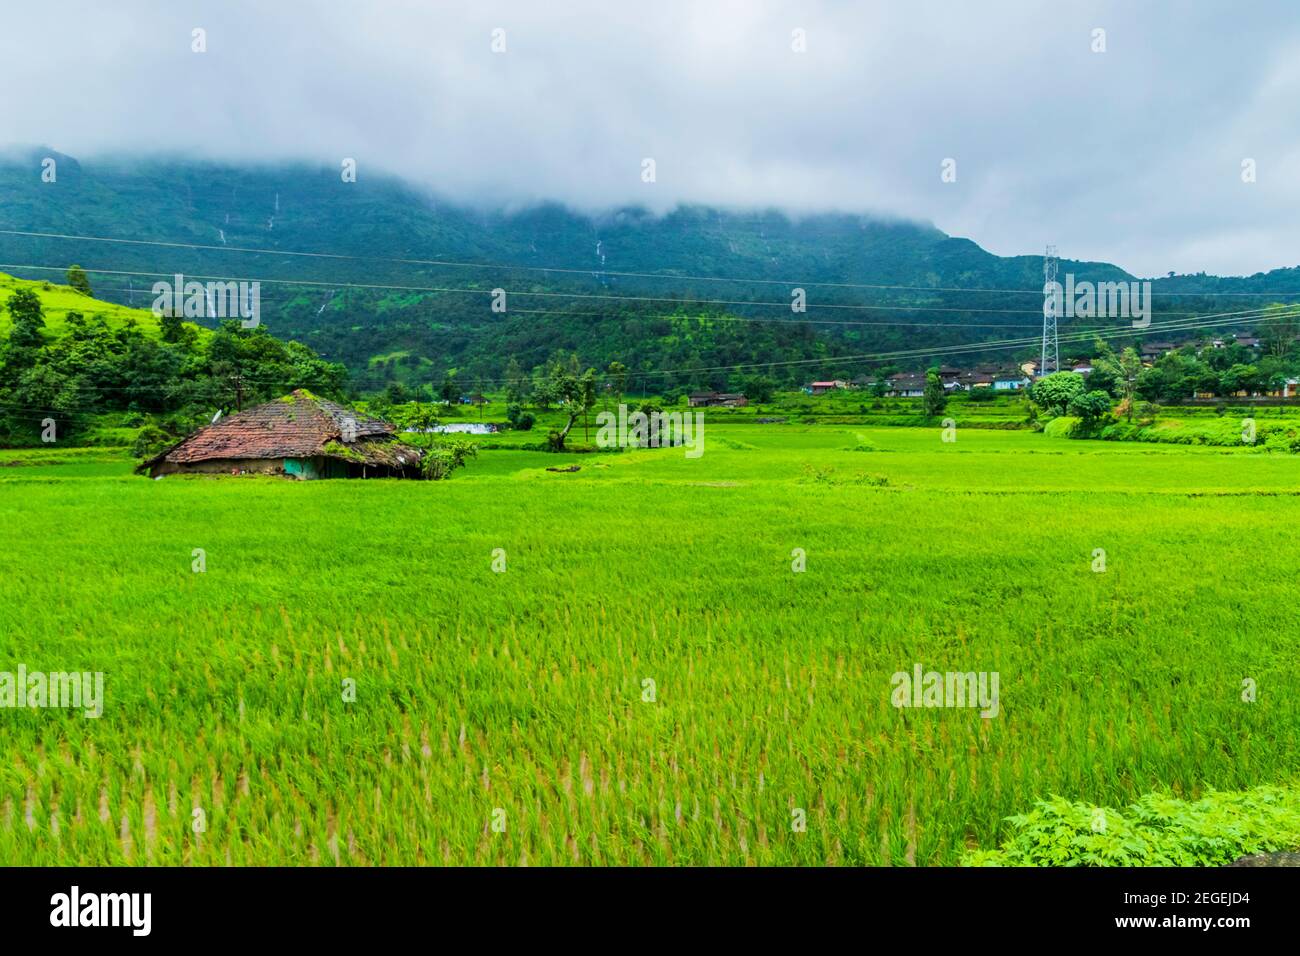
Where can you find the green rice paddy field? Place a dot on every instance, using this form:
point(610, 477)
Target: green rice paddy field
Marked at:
point(520, 697)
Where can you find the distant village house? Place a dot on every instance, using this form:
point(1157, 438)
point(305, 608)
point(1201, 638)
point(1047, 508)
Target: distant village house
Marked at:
point(717, 400)
point(905, 385)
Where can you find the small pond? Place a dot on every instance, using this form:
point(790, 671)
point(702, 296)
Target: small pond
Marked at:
point(463, 428)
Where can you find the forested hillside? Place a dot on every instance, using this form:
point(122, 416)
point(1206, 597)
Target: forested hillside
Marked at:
point(680, 299)
point(66, 358)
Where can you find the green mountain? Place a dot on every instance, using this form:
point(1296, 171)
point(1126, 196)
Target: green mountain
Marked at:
point(685, 292)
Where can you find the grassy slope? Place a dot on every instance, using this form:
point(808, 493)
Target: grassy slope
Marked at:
point(59, 300)
point(523, 690)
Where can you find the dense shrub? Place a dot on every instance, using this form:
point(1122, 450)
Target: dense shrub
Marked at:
point(1279, 438)
point(445, 456)
point(151, 441)
point(1158, 830)
point(519, 419)
point(1227, 432)
point(1121, 431)
point(1091, 408)
point(1062, 427)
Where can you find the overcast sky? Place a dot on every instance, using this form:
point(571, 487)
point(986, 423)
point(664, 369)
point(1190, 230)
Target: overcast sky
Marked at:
point(1133, 155)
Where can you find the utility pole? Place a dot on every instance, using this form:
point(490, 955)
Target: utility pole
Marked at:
point(1051, 357)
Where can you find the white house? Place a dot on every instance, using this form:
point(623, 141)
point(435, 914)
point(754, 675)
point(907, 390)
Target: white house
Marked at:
point(1010, 382)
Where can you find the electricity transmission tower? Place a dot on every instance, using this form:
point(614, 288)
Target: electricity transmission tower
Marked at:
point(1051, 357)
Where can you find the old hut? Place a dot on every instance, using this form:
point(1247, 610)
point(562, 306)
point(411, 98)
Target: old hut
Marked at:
point(298, 436)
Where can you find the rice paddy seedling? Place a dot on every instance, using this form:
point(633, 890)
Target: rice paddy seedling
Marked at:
point(627, 665)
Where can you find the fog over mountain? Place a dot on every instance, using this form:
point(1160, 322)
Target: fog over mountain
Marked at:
point(1132, 155)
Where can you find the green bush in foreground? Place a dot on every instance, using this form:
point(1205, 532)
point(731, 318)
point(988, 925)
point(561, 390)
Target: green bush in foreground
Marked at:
point(1233, 432)
point(151, 440)
point(1158, 830)
point(444, 457)
point(1061, 427)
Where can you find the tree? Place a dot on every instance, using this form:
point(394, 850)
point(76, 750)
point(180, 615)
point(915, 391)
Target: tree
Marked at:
point(1090, 407)
point(543, 390)
point(29, 319)
point(422, 417)
point(1103, 378)
point(1238, 378)
point(78, 279)
point(934, 397)
point(444, 457)
point(449, 391)
point(587, 393)
point(1055, 392)
point(578, 393)
point(44, 391)
point(758, 389)
point(150, 441)
point(396, 394)
point(172, 327)
point(1224, 358)
point(516, 383)
point(518, 418)
point(307, 369)
point(653, 412)
point(1204, 379)
point(618, 373)
point(1279, 335)
point(1123, 372)
point(880, 385)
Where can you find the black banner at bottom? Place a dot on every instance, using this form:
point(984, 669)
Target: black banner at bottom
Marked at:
point(336, 906)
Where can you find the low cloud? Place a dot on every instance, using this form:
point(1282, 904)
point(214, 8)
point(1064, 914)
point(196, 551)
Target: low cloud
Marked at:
point(1132, 155)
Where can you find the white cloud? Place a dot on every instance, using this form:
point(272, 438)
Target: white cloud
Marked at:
point(1130, 156)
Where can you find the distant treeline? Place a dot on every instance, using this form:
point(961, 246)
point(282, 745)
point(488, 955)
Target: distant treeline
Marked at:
point(699, 298)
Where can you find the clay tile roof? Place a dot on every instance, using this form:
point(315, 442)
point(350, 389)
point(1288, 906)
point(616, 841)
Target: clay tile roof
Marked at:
point(295, 426)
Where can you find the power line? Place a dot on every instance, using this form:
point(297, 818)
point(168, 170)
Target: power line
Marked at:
point(450, 263)
point(558, 295)
point(775, 321)
point(334, 285)
point(723, 317)
point(509, 292)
